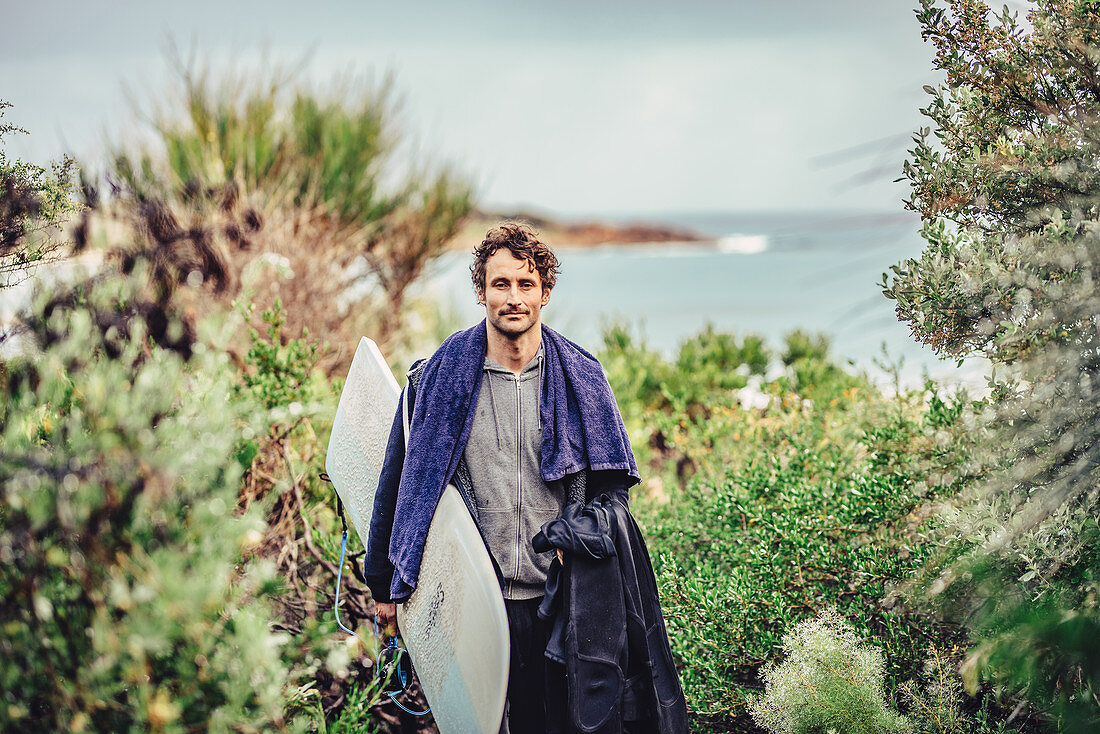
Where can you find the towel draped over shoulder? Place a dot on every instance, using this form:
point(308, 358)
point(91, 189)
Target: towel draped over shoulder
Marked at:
point(582, 429)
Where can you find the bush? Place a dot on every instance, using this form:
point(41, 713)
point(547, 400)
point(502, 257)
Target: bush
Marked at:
point(812, 508)
point(660, 398)
point(1006, 183)
point(316, 172)
point(936, 703)
point(129, 604)
point(180, 251)
point(33, 205)
point(830, 680)
point(802, 345)
point(707, 366)
point(813, 373)
point(792, 506)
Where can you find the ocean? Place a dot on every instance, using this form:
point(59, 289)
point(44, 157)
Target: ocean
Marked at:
point(768, 274)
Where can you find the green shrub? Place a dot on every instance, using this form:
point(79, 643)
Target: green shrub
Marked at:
point(714, 357)
point(281, 372)
point(660, 398)
point(1005, 180)
point(33, 205)
point(707, 366)
point(829, 681)
point(800, 344)
point(811, 370)
point(268, 132)
point(792, 507)
point(814, 509)
point(129, 605)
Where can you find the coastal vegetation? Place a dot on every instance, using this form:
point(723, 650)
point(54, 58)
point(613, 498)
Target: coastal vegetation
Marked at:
point(34, 203)
point(831, 555)
point(1007, 187)
point(309, 177)
point(771, 503)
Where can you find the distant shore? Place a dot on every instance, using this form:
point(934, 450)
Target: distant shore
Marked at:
point(584, 233)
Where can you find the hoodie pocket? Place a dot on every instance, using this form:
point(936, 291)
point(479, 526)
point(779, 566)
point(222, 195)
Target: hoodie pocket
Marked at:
point(498, 526)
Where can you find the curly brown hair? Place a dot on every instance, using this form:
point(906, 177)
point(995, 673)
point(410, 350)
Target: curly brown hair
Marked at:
point(523, 242)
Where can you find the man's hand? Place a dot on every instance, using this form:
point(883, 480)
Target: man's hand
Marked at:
point(561, 556)
point(387, 614)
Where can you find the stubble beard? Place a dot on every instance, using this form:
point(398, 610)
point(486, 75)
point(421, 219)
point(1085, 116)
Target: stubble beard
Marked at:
point(512, 330)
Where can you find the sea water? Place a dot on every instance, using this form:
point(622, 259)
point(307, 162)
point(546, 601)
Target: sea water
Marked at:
point(765, 274)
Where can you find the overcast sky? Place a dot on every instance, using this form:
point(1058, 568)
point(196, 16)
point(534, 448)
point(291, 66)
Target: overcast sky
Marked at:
point(570, 106)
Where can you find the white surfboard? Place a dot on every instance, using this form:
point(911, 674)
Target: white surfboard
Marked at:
point(454, 625)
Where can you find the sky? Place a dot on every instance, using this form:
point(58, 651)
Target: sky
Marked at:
point(569, 107)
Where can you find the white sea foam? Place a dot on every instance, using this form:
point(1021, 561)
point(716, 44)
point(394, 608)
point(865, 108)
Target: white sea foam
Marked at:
point(743, 244)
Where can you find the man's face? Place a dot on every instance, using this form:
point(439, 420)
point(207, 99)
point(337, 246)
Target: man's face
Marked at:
point(513, 295)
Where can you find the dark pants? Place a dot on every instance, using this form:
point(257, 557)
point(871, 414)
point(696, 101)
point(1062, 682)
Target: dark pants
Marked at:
point(528, 634)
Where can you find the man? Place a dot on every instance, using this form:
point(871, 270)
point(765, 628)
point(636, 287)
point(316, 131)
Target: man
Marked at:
point(522, 422)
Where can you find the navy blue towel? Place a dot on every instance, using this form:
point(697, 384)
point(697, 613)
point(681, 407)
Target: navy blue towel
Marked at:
point(582, 428)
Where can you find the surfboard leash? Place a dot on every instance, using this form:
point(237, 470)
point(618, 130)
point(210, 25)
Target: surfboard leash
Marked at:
point(398, 658)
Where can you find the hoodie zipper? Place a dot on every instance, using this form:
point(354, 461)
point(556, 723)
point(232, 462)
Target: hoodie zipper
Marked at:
point(519, 475)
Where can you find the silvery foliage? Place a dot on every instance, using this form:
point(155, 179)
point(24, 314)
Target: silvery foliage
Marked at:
point(829, 680)
point(1007, 182)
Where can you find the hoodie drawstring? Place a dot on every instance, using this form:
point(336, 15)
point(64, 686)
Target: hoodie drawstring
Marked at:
point(538, 394)
point(493, 405)
point(493, 398)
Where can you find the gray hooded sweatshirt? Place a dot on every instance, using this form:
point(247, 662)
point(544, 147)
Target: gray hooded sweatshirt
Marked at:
point(502, 455)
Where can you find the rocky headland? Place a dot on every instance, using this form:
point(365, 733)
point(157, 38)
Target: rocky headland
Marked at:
point(582, 233)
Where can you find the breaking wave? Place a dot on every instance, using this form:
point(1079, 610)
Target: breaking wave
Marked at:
point(743, 244)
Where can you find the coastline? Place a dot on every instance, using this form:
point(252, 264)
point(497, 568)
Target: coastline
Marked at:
point(753, 272)
point(587, 233)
